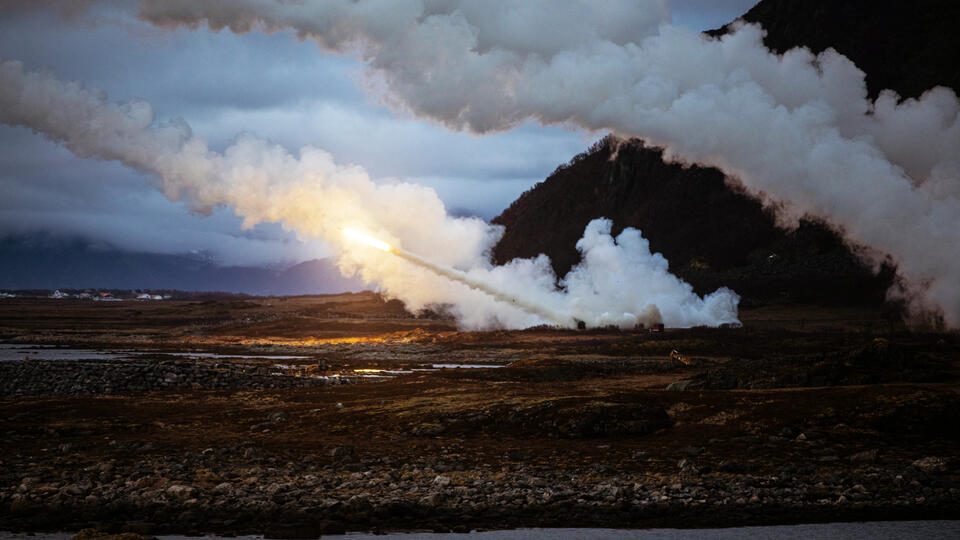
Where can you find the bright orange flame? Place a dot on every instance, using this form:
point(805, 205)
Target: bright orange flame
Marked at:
point(366, 239)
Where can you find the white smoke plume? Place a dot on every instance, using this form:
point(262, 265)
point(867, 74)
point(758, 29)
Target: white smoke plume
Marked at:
point(622, 283)
point(796, 130)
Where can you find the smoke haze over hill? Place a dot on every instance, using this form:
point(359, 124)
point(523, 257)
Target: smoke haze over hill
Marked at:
point(711, 232)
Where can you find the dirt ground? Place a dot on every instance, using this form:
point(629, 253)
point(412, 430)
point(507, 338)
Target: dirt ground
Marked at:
point(803, 414)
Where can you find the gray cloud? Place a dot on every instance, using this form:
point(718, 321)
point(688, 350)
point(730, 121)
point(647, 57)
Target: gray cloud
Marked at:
point(273, 85)
point(108, 203)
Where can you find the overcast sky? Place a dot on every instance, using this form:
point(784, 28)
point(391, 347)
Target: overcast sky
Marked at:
point(272, 85)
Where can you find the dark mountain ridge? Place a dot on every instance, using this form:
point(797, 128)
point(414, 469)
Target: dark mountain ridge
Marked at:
point(909, 47)
point(711, 233)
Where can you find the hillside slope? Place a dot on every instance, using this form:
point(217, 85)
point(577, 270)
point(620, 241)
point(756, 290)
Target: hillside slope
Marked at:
point(712, 234)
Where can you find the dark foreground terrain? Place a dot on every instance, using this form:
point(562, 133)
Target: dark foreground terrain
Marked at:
point(802, 415)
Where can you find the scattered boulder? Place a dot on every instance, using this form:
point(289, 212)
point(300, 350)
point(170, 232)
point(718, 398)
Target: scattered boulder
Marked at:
point(926, 413)
point(94, 534)
point(341, 452)
point(428, 429)
point(876, 362)
point(580, 418)
point(930, 464)
point(180, 491)
point(867, 456)
point(133, 375)
point(679, 386)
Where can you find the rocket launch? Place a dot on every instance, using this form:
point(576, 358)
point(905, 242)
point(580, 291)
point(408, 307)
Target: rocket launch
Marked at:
point(461, 277)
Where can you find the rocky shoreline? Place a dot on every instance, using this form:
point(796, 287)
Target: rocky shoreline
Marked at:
point(244, 490)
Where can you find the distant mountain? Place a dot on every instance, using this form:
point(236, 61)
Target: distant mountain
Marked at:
point(316, 276)
point(45, 263)
point(712, 234)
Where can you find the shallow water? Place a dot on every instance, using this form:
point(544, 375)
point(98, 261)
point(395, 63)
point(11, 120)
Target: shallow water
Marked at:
point(906, 530)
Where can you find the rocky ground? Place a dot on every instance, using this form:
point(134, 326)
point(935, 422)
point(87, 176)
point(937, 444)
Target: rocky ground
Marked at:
point(135, 375)
point(240, 488)
point(782, 421)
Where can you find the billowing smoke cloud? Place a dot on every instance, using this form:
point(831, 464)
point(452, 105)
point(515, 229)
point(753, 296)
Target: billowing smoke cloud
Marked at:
point(620, 282)
point(796, 130)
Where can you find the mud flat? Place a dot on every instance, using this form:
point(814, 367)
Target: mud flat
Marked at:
point(761, 425)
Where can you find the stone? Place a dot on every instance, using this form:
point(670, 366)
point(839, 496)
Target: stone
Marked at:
point(930, 464)
point(93, 534)
point(180, 491)
point(864, 457)
point(75, 490)
point(679, 386)
point(341, 451)
point(515, 454)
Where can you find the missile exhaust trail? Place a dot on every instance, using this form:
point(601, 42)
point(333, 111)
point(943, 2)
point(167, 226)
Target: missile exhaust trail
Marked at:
point(462, 277)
